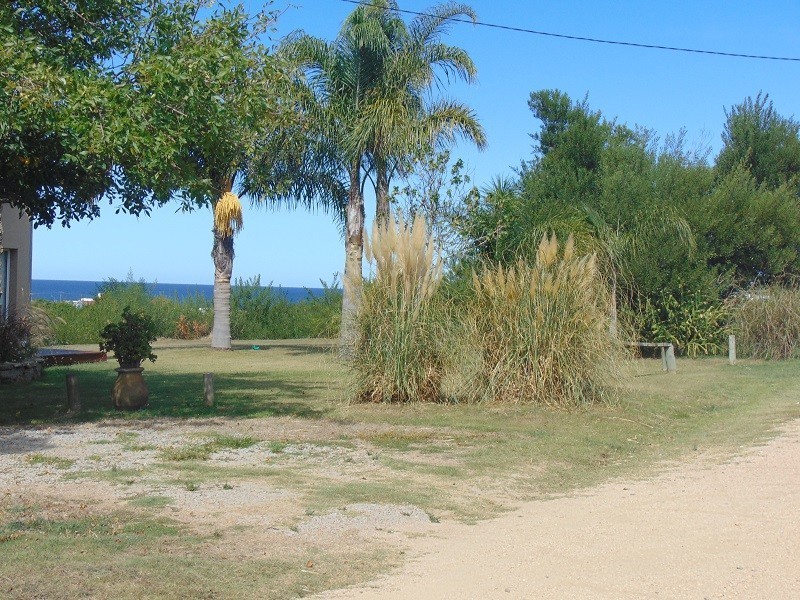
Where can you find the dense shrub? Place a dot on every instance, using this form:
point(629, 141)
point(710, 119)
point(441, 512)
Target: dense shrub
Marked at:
point(15, 338)
point(541, 330)
point(766, 322)
point(82, 325)
point(319, 316)
point(693, 324)
point(266, 313)
point(399, 354)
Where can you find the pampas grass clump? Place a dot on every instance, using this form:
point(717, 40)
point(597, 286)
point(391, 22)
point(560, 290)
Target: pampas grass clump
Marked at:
point(541, 331)
point(399, 352)
point(766, 322)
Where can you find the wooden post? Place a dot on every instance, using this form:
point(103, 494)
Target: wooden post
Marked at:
point(208, 389)
point(73, 394)
point(732, 349)
point(669, 359)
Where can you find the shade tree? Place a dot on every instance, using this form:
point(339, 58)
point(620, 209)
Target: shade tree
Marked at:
point(65, 114)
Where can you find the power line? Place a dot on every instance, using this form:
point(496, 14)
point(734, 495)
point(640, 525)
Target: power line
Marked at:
point(594, 40)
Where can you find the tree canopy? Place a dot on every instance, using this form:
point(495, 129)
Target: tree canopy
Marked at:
point(669, 227)
point(62, 107)
point(766, 143)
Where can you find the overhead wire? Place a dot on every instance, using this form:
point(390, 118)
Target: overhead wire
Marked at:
point(594, 40)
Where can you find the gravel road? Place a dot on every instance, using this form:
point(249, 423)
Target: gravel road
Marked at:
point(702, 530)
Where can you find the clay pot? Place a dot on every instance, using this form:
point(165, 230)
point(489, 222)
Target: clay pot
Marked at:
point(130, 391)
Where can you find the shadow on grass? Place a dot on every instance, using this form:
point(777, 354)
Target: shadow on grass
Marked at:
point(292, 349)
point(172, 395)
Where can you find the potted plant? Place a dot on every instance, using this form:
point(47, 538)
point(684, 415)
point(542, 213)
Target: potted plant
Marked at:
point(130, 341)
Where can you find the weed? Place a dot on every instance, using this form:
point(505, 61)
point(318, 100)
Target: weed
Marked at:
point(50, 461)
point(139, 447)
point(205, 450)
point(398, 440)
point(233, 442)
point(145, 501)
point(190, 452)
point(277, 447)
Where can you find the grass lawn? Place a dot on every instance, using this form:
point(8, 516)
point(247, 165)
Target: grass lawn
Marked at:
point(153, 504)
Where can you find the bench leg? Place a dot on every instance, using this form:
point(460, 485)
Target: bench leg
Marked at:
point(669, 359)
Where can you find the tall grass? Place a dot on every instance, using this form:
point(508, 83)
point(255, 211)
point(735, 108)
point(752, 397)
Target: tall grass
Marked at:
point(541, 330)
point(399, 354)
point(766, 322)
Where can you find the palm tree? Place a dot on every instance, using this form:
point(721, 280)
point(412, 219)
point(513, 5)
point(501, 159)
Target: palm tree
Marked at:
point(370, 91)
point(400, 122)
point(219, 116)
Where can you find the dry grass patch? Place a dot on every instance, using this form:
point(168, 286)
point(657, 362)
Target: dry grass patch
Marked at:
point(766, 322)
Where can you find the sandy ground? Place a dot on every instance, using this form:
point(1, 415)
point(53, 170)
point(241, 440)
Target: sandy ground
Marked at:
point(702, 530)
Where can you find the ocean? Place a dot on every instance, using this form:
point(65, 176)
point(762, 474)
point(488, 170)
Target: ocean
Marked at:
point(56, 290)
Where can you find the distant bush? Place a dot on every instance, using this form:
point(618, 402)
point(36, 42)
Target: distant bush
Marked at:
point(266, 313)
point(766, 322)
point(82, 325)
point(256, 313)
point(541, 331)
point(399, 354)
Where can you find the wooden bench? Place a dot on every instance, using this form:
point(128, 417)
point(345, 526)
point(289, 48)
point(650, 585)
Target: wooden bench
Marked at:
point(667, 353)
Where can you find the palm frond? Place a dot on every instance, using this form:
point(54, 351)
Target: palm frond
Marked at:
point(427, 28)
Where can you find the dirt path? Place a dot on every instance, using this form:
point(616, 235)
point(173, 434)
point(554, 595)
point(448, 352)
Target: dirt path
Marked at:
point(702, 530)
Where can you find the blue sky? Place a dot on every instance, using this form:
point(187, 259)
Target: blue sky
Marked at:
point(657, 89)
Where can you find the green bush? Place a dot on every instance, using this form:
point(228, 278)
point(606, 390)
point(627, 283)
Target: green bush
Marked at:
point(130, 338)
point(82, 325)
point(693, 324)
point(320, 316)
point(541, 331)
point(256, 313)
point(266, 313)
point(15, 338)
point(766, 322)
point(399, 353)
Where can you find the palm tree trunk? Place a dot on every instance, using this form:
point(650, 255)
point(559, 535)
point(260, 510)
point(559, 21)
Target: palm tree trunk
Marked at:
point(352, 283)
point(381, 192)
point(223, 255)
